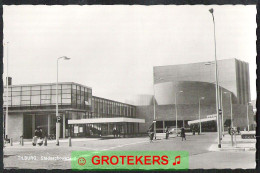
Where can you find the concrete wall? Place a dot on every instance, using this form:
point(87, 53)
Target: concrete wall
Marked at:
point(233, 76)
point(15, 126)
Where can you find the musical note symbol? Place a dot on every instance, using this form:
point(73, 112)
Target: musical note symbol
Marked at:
point(178, 162)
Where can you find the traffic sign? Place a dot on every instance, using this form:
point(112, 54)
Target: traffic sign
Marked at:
point(58, 119)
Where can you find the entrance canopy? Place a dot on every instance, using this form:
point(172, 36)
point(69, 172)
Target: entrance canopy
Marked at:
point(106, 120)
point(202, 120)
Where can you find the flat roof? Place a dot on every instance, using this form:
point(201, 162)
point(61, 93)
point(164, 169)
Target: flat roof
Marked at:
point(49, 84)
point(202, 120)
point(107, 120)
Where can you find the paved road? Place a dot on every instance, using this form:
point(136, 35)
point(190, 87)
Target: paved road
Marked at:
point(200, 156)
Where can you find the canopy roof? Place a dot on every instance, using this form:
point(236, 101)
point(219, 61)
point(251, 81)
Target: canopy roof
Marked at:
point(202, 120)
point(106, 120)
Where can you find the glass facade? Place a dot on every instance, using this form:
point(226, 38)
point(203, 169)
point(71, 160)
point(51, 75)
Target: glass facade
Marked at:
point(103, 108)
point(69, 94)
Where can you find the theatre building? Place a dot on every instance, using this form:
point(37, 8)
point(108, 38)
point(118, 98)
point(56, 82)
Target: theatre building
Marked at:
point(82, 115)
point(187, 92)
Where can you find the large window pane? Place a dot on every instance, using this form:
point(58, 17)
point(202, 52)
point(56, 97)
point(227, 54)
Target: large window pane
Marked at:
point(25, 88)
point(35, 100)
point(53, 99)
point(68, 91)
point(46, 97)
point(46, 92)
point(26, 97)
point(25, 102)
point(16, 101)
point(36, 92)
point(36, 87)
point(9, 95)
point(26, 93)
point(66, 101)
point(66, 86)
point(16, 88)
point(66, 96)
point(45, 87)
point(53, 91)
point(45, 102)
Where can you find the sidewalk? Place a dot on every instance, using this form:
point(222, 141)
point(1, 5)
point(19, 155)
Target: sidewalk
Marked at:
point(239, 144)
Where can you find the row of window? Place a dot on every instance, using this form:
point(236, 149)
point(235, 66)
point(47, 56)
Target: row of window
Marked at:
point(74, 95)
point(107, 108)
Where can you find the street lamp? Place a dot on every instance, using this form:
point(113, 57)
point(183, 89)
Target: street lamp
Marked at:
point(217, 86)
point(57, 107)
point(176, 109)
point(7, 92)
point(201, 98)
point(154, 125)
point(247, 115)
point(231, 107)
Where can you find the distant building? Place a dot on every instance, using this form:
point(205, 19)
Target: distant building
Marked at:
point(190, 82)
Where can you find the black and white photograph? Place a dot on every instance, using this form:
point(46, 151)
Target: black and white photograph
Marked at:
point(122, 78)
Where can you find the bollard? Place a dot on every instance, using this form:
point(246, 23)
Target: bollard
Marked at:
point(11, 141)
point(232, 139)
point(22, 140)
point(45, 141)
point(235, 140)
point(69, 141)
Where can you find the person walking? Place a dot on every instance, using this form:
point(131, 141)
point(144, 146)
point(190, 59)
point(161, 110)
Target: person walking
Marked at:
point(151, 134)
point(167, 133)
point(183, 134)
point(114, 132)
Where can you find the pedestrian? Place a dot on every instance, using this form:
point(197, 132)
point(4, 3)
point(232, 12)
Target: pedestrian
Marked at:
point(183, 134)
point(151, 134)
point(37, 139)
point(193, 130)
point(229, 130)
point(238, 130)
point(167, 133)
point(114, 132)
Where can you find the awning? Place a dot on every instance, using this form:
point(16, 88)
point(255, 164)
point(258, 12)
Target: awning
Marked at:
point(202, 120)
point(106, 120)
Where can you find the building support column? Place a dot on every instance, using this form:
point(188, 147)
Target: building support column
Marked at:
point(108, 128)
point(63, 124)
point(33, 125)
point(49, 125)
point(163, 124)
point(138, 128)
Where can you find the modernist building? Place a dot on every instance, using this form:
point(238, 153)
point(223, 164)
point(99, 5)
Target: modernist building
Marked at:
point(32, 106)
point(182, 86)
point(177, 89)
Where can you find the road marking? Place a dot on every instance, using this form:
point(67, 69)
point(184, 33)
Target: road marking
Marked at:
point(119, 146)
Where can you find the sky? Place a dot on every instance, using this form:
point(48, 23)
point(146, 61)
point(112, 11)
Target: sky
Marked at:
point(113, 48)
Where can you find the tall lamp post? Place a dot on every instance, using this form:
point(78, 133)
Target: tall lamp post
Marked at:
point(231, 107)
point(247, 115)
point(176, 110)
point(201, 98)
point(154, 121)
point(217, 86)
point(57, 107)
point(7, 92)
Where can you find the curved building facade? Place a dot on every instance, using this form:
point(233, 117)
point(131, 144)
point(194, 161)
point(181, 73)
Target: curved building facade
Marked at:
point(182, 87)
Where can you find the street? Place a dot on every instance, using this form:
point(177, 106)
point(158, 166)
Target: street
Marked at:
point(29, 157)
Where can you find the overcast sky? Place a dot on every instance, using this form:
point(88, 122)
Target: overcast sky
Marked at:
point(113, 48)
